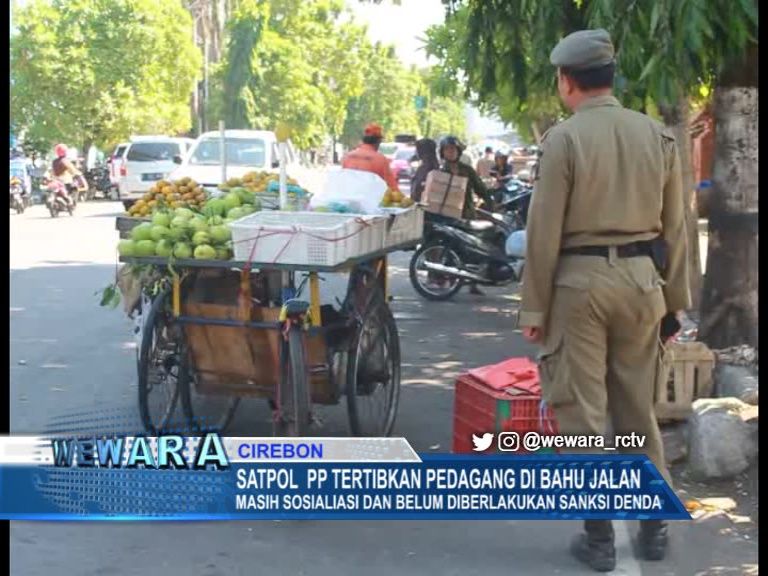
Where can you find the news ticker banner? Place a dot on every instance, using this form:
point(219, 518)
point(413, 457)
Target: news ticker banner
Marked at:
point(213, 478)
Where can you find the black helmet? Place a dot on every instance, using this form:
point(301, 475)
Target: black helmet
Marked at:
point(451, 141)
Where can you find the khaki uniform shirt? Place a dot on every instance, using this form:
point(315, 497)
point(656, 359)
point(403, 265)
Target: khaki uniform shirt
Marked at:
point(607, 176)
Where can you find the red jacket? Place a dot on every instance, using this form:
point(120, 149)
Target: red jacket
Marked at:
point(366, 158)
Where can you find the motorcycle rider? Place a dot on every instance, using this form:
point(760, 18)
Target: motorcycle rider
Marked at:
point(65, 172)
point(501, 172)
point(20, 167)
point(426, 150)
point(451, 149)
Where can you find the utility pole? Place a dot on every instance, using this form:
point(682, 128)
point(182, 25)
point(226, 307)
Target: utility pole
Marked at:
point(205, 82)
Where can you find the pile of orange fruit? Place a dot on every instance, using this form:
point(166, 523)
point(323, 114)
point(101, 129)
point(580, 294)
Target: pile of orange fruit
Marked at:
point(184, 193)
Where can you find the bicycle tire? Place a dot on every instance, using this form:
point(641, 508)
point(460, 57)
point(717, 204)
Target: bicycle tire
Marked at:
point(154, 318)
point(294, 387)
point(378, 311)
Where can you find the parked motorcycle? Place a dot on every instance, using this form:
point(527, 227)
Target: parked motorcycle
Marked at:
point(98, 181)
point(18, 200)
point(58, 199)
point(459, 252)
point(513, 202)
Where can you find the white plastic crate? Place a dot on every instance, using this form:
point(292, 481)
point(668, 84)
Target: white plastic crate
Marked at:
point(406, 226)
point(306, 238)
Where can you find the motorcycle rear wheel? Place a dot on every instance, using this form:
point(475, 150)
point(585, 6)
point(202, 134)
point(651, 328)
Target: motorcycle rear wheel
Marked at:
point(419, 276)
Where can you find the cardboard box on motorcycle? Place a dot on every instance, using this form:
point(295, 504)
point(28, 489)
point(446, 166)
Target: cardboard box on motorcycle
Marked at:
point(445, 193)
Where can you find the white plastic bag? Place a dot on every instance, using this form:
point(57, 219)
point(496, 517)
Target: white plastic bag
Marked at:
point(362, 192)
point(515, 245)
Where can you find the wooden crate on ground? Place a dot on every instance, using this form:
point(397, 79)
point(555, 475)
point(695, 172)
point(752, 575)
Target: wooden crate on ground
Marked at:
point(685, 374)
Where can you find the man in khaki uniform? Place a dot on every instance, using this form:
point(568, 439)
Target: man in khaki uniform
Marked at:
point(608, 195)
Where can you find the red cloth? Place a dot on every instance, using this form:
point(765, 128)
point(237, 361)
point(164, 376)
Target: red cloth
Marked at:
point(518, 373)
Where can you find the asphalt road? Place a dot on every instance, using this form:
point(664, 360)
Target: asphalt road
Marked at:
point(70, 355)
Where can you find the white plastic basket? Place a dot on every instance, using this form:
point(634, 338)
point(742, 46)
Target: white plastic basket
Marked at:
point(306, 238)
point(405, 225)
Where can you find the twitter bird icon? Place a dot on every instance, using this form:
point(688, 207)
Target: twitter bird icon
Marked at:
point(483, 442)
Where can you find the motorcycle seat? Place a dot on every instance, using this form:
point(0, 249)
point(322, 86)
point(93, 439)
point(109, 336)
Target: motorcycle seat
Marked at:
point(477, 225)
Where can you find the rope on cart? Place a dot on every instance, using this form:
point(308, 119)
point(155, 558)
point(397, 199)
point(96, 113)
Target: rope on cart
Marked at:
point(293, 233)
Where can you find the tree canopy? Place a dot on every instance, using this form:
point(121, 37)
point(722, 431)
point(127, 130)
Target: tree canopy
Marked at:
point(499, 51)
point(96, 71)
point(311, 66)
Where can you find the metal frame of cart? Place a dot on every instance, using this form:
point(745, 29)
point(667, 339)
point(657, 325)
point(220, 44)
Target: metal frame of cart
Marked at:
point(299, 353)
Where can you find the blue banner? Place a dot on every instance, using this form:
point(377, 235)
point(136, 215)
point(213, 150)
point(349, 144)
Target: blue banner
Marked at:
point(439, 487)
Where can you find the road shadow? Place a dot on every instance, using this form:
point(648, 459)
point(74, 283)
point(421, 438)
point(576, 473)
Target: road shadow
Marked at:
point(68, 354)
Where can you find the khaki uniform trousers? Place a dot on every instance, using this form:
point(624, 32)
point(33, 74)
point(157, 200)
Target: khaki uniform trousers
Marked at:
point(601, 349)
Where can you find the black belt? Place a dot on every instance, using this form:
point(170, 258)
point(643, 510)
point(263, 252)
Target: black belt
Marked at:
point(624, 251)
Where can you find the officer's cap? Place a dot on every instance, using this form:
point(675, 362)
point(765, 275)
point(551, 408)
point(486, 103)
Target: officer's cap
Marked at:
point(583, 50)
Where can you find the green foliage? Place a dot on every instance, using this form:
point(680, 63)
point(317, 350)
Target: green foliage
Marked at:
point(388, 99)
point(290, 61)
point(308, 64)
point(98, 70)
point(666, 49)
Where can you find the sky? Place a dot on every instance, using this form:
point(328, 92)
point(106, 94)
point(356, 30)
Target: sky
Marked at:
point(403, 26)
point(400, 25)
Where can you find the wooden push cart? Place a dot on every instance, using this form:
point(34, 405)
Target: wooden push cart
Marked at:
point(218, 331)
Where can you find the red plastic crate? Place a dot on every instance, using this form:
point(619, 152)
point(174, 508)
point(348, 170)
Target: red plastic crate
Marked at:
point(479, 409)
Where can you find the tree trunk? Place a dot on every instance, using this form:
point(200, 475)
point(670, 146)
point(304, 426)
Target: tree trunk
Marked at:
point(677, 118)
point(729, 302)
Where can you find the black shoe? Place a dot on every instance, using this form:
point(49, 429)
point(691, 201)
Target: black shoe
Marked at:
point(600, 555)
point(653, 540)
point(473, 289)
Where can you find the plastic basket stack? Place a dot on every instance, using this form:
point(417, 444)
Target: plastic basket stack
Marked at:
point(405, 225)
point(306, 238)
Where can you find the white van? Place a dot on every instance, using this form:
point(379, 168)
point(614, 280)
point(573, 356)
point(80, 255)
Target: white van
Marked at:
point(246, 151)
point(147, 160)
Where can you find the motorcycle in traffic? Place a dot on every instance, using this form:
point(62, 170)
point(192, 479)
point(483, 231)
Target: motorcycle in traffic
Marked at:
point(18, 196)
point(58, 199)
point(458, 252)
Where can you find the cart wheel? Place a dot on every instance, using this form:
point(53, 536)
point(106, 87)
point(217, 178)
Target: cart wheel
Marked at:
point(294, 387)
point(204, 412)
point(158, 366)
point(373, 372)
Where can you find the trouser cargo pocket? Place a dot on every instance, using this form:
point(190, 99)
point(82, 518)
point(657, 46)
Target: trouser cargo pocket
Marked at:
point(554, 373)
